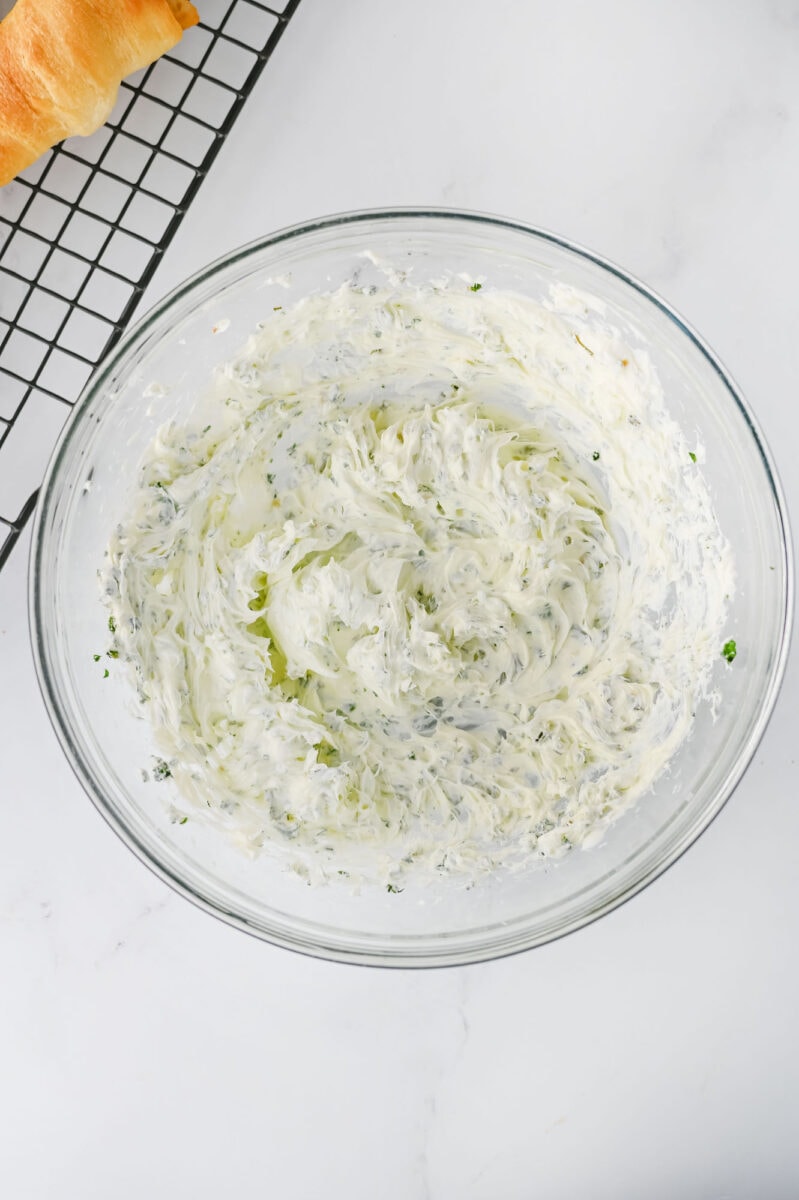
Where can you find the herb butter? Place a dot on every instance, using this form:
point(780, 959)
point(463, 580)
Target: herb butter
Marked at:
point(431, 581)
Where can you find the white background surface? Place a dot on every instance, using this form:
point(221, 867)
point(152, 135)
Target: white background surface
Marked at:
point(146, 1049)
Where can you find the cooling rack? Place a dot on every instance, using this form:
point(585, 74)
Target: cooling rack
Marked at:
point(83, 230)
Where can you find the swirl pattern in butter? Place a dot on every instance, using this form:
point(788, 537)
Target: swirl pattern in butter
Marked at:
point(432, 583)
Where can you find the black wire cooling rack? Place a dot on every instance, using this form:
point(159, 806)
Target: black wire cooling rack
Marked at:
point(83, 230)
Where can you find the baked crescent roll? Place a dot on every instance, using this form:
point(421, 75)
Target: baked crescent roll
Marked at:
point(61, 62)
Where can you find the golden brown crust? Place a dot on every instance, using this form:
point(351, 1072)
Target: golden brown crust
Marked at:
point(61, 62)
point(184, 12)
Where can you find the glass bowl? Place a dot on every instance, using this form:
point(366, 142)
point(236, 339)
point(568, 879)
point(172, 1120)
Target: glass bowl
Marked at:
point(154, 374)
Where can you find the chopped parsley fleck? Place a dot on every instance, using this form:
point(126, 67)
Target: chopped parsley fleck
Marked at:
point(105, 673)
point(692, 456)
point(183, 820)
point(112, 653)
point(206, 428)
point(426, 600)
point(270, 477)
point(97, 657)
point(595, 455)
point(729, 650)
point(161, 770)
point(475, 287)
point(395, 891)
point(112, 625)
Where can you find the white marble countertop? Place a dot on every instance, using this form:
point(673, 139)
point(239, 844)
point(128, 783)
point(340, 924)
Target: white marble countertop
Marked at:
point(146, 1049)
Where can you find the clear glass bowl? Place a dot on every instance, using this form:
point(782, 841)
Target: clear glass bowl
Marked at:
point(96, 461)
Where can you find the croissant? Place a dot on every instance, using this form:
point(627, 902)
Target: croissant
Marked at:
point(61, 62)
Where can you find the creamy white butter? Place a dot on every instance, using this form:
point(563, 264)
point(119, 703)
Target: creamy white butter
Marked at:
point(434, 580)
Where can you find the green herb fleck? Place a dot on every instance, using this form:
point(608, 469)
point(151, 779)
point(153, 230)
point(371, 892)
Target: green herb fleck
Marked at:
point(97, 657)
point(426, 600)
point(729, 650)
point(206, 428)
point(161, 770)
point(395, 891)
point(595, 455)
point(270, 478)
point(475, 287)
point(277, 308)
point(112, 653)
point(183, 820)
point(112, 625)
point(105, 673)
point(692, 456)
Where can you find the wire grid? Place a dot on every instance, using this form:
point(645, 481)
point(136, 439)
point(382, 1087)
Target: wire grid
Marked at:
point(83, 230)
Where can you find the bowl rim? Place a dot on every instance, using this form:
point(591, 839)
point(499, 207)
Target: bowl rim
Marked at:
point(405, 950)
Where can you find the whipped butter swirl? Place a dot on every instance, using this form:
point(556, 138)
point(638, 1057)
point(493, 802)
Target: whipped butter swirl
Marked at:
point(434, 581)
